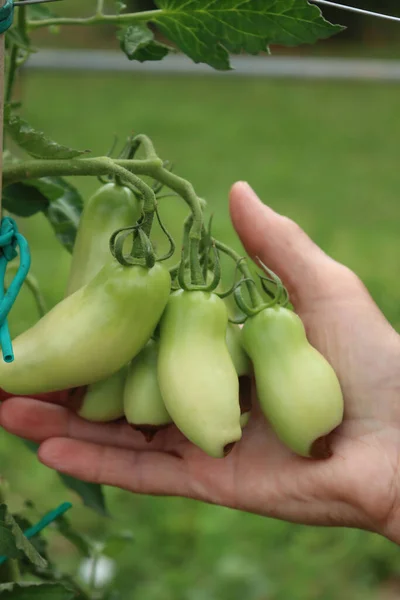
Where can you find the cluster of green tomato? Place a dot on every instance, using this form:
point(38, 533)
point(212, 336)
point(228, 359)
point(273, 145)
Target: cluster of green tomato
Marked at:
point(99, 343)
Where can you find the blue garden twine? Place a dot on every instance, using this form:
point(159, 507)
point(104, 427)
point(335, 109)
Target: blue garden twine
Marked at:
point(6, 15)
point(10, 239)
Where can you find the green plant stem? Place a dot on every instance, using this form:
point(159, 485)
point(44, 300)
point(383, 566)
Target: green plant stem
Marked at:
point(34, 169)
point(13, 62)
point(255, 296)
point(127, 170)
point(96, 167)
point(33, 286)
point(124, 19)
point(100, 8)
point(147, 145)
point(14, 570)
point(22, 22)
point(12, 71)
point(187, 192)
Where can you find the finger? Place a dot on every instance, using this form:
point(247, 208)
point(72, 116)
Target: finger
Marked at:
point(72, 398)
point(152, 473)
point(307, 272)
point(38, 421)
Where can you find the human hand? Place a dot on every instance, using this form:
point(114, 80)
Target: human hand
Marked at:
point(359, 486)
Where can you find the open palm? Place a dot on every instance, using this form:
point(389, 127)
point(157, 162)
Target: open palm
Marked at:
point(358, 486)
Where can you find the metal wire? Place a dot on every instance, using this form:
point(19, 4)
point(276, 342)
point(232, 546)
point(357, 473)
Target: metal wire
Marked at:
point(360, 11)
point(27, 2)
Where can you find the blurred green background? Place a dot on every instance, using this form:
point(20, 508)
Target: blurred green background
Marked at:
point(325, 154)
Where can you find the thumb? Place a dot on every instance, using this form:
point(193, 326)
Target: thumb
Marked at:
point(307, 272)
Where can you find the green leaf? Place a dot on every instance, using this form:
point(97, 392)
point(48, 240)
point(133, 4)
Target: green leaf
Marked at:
point(39, 591)
point(90, 493)
point(24, 199)
point(207, 30)
point(137, 42)
point(38, 541)
point(71, 534)
point(50, 572)
point(64, 208)
point(14, 36)
point(118, 543)
point(13, 543)
point(119, 7)
point(38, 12)
point(35, 142)
point(65, 220)
point(55, 197)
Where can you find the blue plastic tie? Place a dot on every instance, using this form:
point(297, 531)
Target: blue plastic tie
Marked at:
point(6, 15)
point(43, 523)
point(10, 239)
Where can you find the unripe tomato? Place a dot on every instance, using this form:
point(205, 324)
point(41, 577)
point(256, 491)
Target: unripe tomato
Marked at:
point(91, 334)
point(103, 400)
point(111, 208)
point(298, 389)
point(196, 374)
point(143, 403)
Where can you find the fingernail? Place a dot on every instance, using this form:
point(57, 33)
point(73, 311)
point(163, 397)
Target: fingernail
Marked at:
point(248, 191)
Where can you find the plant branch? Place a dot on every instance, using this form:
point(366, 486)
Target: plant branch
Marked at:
point(97, 19)
point(12, 70)
point(127, 170)
point(100, 8)
point(33, 286)
point(13, 63)
point(34, 169)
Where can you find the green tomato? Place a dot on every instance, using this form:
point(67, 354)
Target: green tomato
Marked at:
point(298, 389)
point(104, 400)
point(111, 208)
point(143, 404)
point(243, 368)
point(244, 419)
point(91, 334)
point(235, 346)
point(196, 374)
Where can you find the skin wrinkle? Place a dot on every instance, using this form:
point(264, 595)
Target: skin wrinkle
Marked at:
point(365, 502)
point(99, 473)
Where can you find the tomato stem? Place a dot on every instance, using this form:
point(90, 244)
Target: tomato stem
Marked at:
point(128, 171)
point(103, 165)
point(33, 286)
point(241, 262)
point(187, 192)
point(97, 19)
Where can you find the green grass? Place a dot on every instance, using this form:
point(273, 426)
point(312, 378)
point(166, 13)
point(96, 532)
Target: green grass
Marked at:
point(323, 154)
